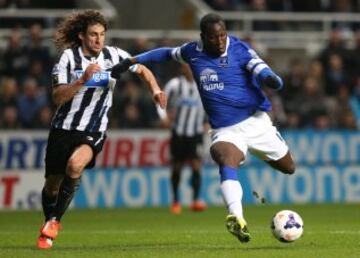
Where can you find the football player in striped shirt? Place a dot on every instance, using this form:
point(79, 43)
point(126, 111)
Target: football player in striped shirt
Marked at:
point(186, 117)
point(82, 90)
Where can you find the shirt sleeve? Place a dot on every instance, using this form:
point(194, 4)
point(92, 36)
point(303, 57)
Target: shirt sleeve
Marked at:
point(61, 71)
point(254, 63)
point(180, 53)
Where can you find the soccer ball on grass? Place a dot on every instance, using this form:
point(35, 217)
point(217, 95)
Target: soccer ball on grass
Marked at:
point(287, 226)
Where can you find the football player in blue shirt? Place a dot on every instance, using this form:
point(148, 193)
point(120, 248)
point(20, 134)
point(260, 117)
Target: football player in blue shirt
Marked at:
point(229, 76)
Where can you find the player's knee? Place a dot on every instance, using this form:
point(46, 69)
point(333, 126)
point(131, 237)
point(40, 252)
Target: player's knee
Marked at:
point(75, 167)
point(225, 154)
point(290, 169)
point(228, 160)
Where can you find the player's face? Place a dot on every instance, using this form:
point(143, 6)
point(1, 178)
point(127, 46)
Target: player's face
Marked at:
point(214, 39)
point(93, 40)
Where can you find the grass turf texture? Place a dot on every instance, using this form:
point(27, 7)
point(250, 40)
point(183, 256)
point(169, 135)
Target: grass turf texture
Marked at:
point(329, 231)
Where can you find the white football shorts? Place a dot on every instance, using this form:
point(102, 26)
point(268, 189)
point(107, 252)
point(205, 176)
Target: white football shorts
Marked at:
point(255, 134)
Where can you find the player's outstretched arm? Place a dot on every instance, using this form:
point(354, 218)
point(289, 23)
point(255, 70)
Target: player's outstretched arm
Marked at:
point(148, 77)
point(268, 78)
point(156, 55)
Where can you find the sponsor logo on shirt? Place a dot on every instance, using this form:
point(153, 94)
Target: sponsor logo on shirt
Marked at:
point(100, 79)
point(209, 80)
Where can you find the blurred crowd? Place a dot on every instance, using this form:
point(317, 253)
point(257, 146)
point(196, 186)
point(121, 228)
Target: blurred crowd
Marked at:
point(321, 93)
point(286, 5)
point(297, 6)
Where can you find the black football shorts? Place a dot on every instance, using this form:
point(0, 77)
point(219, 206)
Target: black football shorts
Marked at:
point(183, 148)
point(62, 143)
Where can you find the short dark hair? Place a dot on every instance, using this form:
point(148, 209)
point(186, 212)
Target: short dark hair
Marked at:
point(210, 19)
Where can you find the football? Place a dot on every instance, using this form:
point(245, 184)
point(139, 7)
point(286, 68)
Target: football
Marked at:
point(287, 226)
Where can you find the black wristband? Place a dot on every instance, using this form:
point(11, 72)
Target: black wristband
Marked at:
point(120, 68)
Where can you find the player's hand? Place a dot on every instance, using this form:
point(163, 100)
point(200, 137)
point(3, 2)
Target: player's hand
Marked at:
point(90, 70)
point(120, 68)
point(165, 123)
point(160, 98)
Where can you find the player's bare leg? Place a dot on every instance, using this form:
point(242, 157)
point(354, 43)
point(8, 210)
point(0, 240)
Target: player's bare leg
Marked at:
point(75, 166)
point(285, 165)
point(228, 157)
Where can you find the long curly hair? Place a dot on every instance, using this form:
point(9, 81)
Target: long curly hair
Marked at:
point(67, 33)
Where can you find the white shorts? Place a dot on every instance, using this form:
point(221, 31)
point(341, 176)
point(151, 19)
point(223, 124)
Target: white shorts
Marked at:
point(256, 134)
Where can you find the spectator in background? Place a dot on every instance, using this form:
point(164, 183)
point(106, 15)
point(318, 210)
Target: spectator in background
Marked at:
point(36, 49)
point(334, 46)
point(140, 44)
point(44, 118)
point(10, 118)
point(261, 6)
point(316, 70)
point(311, 103)
point(38, 72)
point(15, 59)
point(335, 74)
point(343, 114)
point(293, 120)
point(321, 120)
point(354, 61)
point(222, 5)
point(355, 101)
point(293, 80)
point(348, 120)
point(137, 108)
point(4, 4)
point(277, 113)
point(306, 5)
point(8, 92)
point(186, 118)
point(29, 103)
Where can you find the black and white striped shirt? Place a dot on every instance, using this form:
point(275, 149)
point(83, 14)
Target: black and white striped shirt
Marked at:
point(184, 99)
point(88, 109)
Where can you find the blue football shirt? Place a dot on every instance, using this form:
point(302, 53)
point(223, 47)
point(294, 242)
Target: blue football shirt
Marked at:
point(227, 84)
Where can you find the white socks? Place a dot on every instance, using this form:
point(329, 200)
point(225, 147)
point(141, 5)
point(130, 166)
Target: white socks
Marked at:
point(232, 193)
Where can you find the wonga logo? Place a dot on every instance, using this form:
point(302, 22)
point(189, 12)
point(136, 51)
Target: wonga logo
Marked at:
point(209, 80)
point(99, 79)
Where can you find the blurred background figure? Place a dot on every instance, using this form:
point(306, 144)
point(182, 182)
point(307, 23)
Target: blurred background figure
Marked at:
point(186, 118)
point(137, 110)
point(30, 102)
point(16, 59)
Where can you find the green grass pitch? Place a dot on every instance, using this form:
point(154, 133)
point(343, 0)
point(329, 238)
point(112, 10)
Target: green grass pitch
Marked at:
point(329, 231)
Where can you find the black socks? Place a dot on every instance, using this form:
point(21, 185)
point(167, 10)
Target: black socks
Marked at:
point(67, 191)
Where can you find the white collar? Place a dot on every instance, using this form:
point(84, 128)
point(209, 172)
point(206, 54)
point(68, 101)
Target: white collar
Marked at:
point(200, 46)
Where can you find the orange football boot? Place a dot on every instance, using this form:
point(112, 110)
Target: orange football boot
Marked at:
point(50, 228)
point(44, 242)
point(175, 208)
point(198, 206)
